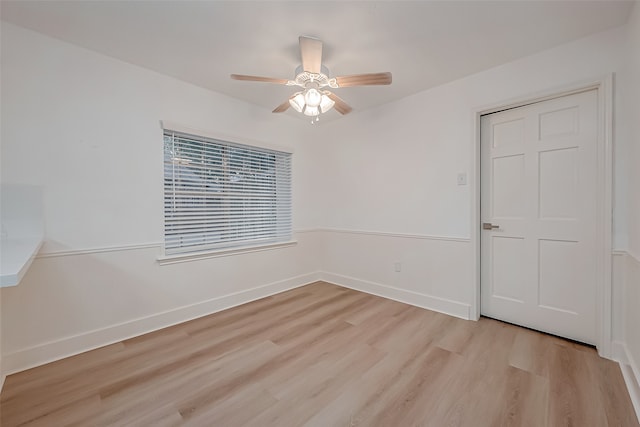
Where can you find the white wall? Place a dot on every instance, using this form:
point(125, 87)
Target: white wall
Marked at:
point(633, 118)
point(393, 170)
point(86, 128)
point(630, 121)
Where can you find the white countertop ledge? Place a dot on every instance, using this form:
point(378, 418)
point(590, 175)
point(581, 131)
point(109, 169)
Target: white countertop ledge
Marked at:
point(16, 256)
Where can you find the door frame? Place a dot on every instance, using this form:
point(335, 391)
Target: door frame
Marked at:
point(604, 88)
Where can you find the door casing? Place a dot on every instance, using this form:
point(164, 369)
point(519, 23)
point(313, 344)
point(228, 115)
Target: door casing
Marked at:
point(604, 190)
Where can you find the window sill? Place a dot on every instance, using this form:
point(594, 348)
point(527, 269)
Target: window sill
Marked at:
point(194, 256)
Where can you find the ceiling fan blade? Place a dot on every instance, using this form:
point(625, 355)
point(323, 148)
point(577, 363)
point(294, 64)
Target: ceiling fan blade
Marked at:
point(364, 79)
point(282, 107)
point(340, 106)
point(259, 79)
point(311, 54)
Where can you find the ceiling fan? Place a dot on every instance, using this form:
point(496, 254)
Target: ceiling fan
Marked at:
point(313, 77)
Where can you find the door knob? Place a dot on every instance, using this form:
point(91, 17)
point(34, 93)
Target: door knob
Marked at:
point(489, 226)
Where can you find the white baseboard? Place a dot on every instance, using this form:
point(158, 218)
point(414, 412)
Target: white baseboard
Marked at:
point(631, 376)
point(619, 352)
point(56, 350)
point(442, 305)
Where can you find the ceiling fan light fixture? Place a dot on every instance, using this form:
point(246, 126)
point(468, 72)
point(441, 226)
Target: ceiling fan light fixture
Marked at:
point(313, 78)
point(297, 102)
point(326, 103)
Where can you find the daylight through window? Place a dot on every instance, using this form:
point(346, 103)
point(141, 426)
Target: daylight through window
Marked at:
point(220, 194)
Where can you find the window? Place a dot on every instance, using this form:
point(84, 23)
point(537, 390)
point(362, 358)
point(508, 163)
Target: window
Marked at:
point(220, 195)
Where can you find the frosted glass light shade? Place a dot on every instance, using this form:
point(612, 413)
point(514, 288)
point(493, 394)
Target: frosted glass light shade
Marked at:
point(326, 104)
point(312, 97)
point(297, 102)
point(311, 111)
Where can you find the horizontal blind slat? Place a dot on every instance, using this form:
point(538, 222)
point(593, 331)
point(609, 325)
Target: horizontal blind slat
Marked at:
point(189, 240)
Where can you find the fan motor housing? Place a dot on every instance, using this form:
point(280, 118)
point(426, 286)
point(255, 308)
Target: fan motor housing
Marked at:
point(305, 78)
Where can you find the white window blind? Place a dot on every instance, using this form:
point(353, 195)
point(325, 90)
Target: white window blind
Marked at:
point(220, 194)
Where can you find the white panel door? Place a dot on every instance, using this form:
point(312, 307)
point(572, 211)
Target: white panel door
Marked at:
point(538, 186)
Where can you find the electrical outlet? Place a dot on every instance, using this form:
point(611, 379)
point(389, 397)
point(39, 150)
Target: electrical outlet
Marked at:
point(398, 267)
point(462, 178)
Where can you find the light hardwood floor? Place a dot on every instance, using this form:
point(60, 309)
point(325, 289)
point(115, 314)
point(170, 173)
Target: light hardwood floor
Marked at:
point(322, 355)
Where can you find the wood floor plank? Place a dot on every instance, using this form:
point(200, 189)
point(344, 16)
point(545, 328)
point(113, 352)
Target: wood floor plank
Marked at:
point(523, 397)
point(298, 402)
point(606, 375)
point(573, 398)
point(53, 373)
point(235, 411)
point(410, 403)
point(186, 382)
point(72, 412)
point(323, 355)
point(216, 392)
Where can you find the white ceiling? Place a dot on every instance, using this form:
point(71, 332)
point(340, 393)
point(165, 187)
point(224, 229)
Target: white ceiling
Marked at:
point(423, 43)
